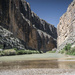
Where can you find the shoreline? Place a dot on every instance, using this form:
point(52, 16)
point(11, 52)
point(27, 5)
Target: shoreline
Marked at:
point(40, 71)
point(21, 66)
point(38, 57)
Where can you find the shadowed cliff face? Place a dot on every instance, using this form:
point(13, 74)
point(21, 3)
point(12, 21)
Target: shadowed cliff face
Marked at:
point(17, 17)
point(4, 17)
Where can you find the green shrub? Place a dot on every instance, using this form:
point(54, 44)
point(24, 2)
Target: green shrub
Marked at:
point(31, 52)
point(19, 52)
point(40, 52)
point(28, 52)
point(2, 54)
point(71, 51)
point(1, 46)
point(62, 51)
point(9, 52)
point(0, 51)
point(67, 47)
point(68, 50)
point(15, 49)
point(35, 52)
point(51, 51)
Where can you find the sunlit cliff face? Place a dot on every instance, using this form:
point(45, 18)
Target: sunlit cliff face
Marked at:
point(66, 27)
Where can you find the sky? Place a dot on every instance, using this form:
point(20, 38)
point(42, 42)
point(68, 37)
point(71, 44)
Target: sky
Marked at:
point(49, 10)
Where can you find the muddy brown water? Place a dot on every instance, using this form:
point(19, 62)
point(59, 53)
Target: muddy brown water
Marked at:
point(38, 64)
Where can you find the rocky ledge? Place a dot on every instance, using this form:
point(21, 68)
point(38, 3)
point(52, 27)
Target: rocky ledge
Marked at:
point(7, 39)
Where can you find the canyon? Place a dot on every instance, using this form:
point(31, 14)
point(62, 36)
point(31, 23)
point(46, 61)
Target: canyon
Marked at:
point(21, 28)
point(25, 26)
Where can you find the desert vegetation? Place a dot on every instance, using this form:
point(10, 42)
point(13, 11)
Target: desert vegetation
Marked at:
point(68, 49)
point(9, 52)
point(51, 51)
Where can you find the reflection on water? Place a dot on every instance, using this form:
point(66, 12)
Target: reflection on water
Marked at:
point(37, 64)
point(67, 64)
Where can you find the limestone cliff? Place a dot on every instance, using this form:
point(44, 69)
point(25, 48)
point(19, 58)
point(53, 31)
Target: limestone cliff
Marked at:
point(66, 27)
point(17, 17)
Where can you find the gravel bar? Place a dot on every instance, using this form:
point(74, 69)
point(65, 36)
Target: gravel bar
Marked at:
point(45, 71)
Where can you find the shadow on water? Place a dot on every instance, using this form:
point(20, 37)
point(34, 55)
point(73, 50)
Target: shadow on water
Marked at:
point(29, 64)
point(37, 64)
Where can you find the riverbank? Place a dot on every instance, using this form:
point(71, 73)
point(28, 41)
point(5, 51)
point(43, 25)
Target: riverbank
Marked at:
point(44, 56)
point(37, 64)
point(39, 71)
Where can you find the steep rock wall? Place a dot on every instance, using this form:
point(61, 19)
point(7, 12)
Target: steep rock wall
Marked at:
point(17, 17)
point(66, 27)
point(8, 40)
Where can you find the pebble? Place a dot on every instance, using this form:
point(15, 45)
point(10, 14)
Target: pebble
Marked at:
point(38, 72)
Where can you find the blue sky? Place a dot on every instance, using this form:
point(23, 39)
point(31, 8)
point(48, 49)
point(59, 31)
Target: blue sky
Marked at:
point(49, 10)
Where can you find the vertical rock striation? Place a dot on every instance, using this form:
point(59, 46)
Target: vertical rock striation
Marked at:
point(35, 33)
point(66, 27)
